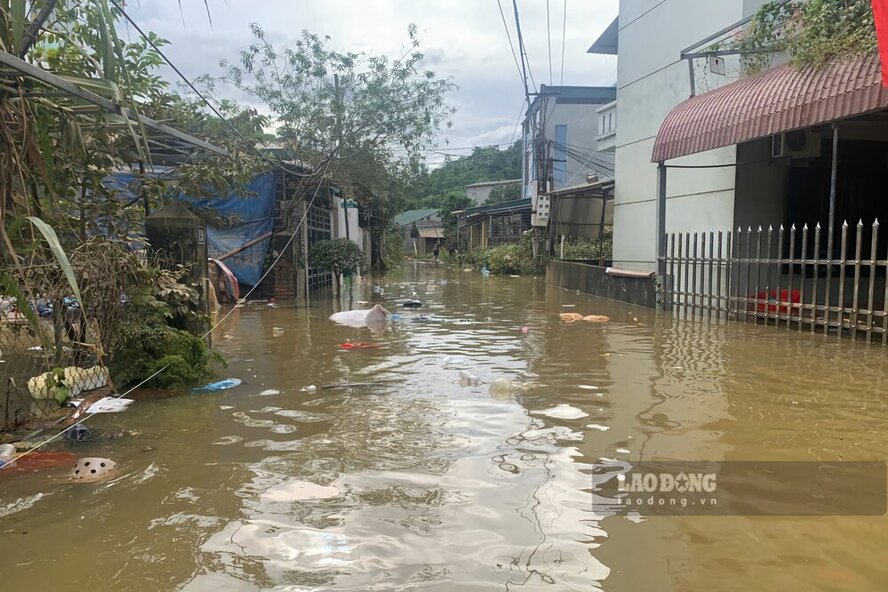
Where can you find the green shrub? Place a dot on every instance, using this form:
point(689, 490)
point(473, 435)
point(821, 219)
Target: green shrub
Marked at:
point(145, 348)
point(510, 259)
point(584, 249)
point(339, 255)
point(506, 259)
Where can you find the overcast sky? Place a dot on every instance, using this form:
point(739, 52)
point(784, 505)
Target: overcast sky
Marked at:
point(464, 39)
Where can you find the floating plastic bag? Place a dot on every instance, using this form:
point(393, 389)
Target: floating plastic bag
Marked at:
point(466, 378)
point(222, 385)
point(109, 405)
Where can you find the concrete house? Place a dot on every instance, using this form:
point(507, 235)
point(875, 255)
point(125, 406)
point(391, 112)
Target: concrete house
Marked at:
point(563, 120)
point(480, 192)
point(560, 148)
point(425, 225)
point(653, 78)
point(750, 193)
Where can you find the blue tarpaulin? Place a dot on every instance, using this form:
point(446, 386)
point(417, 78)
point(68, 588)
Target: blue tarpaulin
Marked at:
point(254, 211)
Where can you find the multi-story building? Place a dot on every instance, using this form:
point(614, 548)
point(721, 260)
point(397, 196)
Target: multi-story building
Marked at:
point(560, 138)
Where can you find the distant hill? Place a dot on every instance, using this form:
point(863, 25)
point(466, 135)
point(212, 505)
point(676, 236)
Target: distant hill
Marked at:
point(438, 188)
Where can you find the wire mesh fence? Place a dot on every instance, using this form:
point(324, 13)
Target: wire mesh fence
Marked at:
point(801, 278)
point(52, 344)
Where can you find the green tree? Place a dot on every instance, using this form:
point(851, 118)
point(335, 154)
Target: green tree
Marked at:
point(502, 193)
point(451, 202)
point(429, 188)
point(338, 256)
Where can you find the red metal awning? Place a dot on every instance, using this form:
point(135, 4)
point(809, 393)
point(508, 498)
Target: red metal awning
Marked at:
point(779, 100)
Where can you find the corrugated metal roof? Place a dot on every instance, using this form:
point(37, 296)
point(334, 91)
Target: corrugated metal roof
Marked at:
point(781, 99)
point(494, 183)
point(411, 216)
point(608, 42)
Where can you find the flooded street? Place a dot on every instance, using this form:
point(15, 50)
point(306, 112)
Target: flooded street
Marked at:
point(392, 475)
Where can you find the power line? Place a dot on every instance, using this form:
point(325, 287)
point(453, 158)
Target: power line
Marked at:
point(206, 101)
point(522, 52)
point(549, 40)
point(511, 45)
point(563, 39)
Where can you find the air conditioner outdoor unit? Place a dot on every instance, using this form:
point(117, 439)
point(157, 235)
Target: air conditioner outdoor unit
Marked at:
point(803, 143)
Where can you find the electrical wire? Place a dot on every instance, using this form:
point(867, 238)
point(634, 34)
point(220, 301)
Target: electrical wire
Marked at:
point(509, 37)
point(549, 40)
point(206, 101)
point(563, 40)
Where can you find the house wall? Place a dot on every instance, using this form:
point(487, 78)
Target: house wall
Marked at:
point(652, 79)
point(355, 233)
point(581, 121)
point(761, 187)
point(479, 194)
point(607, 127)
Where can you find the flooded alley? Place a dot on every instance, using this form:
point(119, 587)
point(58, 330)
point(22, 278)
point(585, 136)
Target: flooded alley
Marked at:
point(378, 469)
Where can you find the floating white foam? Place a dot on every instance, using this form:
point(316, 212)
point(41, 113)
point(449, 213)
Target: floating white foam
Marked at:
point(299, 490)
point(563, 411)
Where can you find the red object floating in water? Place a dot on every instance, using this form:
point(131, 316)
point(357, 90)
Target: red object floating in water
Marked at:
point(358, 345)
point(38, 461)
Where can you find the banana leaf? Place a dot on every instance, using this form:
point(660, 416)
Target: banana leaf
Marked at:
point(55, 246)
point(106, 40)
point(17, 11)
point(100, 86)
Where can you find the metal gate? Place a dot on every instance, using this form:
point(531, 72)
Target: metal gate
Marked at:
point(318, 222)
point(783, 278)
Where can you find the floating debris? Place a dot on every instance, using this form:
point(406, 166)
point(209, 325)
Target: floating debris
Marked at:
point(502, 388)
point(269, 392)
point(222, 385)
point(563, 411)
point(570, 317)
point(466, 378)
point(358, 345)
point(295, 491)
point(109, 405)
point(92, 469)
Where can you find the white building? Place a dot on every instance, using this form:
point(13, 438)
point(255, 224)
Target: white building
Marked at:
point(480, 192)
point(560, 139)
point(649, 37)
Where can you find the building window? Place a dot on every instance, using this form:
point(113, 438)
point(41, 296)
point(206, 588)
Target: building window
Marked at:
point(610, 122)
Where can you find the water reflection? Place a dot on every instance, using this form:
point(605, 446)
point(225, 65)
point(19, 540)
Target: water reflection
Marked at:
point(397, 472)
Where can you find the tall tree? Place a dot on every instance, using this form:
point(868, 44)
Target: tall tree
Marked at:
point(346, 113)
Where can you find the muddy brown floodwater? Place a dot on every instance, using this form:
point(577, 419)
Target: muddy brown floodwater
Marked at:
point(408, 480)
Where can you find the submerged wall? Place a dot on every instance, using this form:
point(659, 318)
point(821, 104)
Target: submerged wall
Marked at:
point(595, 280)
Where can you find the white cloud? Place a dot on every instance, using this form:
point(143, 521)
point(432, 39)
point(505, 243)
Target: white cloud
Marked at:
point(463, 39)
